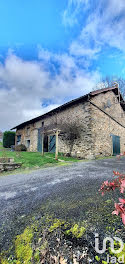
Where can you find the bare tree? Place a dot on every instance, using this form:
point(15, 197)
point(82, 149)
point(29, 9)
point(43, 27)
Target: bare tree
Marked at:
point(110, 81)
point(70, 133)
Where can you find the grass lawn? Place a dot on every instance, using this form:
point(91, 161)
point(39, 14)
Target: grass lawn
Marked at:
point(1, 146)
point(34, 159)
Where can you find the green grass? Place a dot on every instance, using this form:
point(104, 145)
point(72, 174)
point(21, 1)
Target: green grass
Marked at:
point(61, 157)
point(35, 159)
point(1, 145)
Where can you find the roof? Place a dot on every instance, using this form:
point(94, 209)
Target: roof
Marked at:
point(70, 103)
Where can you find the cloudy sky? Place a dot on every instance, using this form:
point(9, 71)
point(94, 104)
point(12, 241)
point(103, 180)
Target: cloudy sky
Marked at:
point(53, 51)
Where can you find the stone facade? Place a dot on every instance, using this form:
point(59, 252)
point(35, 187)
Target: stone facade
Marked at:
point(94, 122)
point(103, 126)
point(78, 115)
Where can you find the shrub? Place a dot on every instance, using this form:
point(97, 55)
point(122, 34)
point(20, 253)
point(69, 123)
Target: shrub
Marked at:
point(8, 139)
point(116, 183)
point(20, 147)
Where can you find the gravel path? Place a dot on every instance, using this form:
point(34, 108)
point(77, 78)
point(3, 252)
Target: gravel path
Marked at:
point(23, 195)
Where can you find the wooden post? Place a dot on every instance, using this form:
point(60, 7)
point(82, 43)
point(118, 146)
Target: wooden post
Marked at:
point(42, 144)
point(56, 153)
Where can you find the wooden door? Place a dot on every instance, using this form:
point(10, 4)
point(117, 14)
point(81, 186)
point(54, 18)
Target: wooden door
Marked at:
point(52, 143)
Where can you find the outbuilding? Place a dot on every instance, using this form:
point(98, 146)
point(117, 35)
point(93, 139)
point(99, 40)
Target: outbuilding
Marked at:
point(90, 126)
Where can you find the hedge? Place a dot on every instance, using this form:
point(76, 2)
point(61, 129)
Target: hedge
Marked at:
point(8, 139)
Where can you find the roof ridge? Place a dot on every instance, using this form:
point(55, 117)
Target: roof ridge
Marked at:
point(92, 93)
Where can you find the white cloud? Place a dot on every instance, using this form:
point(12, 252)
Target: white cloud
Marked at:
point(78, 49)
point(25, 86)
point(104, 25)
point(70, 14)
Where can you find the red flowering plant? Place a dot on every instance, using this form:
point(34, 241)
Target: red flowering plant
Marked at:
point(117, 183)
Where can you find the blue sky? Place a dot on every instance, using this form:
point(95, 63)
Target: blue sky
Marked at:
point(31, 22)
point(52, 51)
point(25, 24)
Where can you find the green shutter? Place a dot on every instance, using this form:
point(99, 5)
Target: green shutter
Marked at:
point(116, 145)
point(39, 147)
point(52, 143)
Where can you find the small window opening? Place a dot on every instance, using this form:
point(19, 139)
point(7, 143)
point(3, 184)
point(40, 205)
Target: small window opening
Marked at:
point(18, 139)
point(28, 143)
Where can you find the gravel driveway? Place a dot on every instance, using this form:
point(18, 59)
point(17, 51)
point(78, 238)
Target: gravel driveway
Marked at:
point(65, 191)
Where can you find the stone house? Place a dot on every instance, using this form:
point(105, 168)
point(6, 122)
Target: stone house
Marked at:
point(1, 136)
point(89, 126)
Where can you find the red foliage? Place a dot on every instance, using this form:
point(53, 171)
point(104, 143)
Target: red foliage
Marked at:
point(118, 182)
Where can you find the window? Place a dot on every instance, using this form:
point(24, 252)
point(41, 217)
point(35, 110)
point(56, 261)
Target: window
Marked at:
point(42, 123)
point(28, 143)
point(108, 103)
point(18, 139)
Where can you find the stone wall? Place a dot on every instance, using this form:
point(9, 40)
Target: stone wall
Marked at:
point(79, 115)
point(95, 127)
point(9, 166)
point(32, 135)
point(103, 126)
